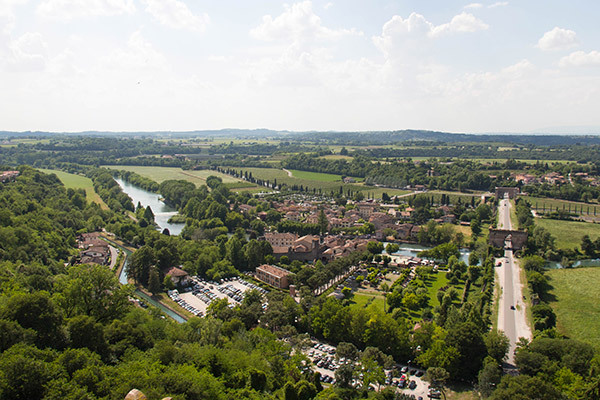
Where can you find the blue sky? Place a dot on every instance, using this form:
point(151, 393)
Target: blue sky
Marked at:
point(459, 66)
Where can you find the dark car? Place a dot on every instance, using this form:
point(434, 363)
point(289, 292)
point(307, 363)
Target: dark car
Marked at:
point(412, 385)
point(512, 307)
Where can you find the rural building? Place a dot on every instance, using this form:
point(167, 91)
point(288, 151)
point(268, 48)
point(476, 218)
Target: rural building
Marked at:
point(273, 275)
point(6, 176)
point(178, 276)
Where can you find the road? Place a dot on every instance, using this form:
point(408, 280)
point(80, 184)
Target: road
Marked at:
point(512, 321)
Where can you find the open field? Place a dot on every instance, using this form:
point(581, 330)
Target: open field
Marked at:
point(281, 176)
point(316, 176)
point(544, 203)
point(574, 299)
point(568, 234)
point(78, 182)
point(198, 177)
point(362, 300)
point(337, 157)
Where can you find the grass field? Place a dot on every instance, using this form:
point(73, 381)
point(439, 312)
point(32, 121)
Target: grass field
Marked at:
point(316, 176)
point(281, 176)
point(78, 182)
point(568, 234)
point(161, 174)
point(362, 300)
point(576, 292)
point(543, 203)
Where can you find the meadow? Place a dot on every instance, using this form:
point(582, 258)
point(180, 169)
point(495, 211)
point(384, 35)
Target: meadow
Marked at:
point(574, 299)
point(198, 177)
point(568, 234)
point(78, 182)
point(317, 180)
point(545, 204)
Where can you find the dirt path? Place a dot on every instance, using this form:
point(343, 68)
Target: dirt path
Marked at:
point(288, 172)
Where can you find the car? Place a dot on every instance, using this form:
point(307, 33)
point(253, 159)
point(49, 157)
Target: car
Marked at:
point(412, 385)
point(419, 373)
point(512, 307)
point(404, 370)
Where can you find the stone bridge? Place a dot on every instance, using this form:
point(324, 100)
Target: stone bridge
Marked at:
point(500, 237)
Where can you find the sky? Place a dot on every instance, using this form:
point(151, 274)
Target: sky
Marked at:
point(356, 65)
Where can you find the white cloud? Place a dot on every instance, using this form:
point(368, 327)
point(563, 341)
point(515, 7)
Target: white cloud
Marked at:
point(399, 33)
point(328, 5)
point(70, 9)
point(176, 14)
point(558, 39)
point(473, 6)
point(27, 53)
point(498, 4)
point(7, 16)
point(463, 22)
point(138, 56)
point(581, 59)
point(297, 22)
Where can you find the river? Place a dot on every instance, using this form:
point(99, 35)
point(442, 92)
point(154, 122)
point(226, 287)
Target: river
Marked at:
point(411, 250)
point(162, 212)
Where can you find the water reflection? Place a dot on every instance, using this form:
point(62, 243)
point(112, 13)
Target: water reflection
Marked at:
point(162, 212)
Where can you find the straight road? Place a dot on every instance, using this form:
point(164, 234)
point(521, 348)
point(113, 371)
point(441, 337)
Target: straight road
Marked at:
point(511, 309)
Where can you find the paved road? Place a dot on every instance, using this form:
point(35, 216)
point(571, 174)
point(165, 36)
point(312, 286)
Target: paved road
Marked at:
point(512, 322)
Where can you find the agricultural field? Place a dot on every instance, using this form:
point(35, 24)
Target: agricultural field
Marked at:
point(78, 182)
point(198, 177)
point(281, 176)
point(574, 299)
point(568, 234)
point(316, 176)
point(545, 204)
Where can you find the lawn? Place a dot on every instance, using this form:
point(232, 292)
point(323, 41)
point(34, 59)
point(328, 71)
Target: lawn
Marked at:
point(362, 300)
point(575, 301)
point(568, 234)
point(78, 182)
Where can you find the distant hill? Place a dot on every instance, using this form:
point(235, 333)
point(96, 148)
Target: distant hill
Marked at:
point(345, 138)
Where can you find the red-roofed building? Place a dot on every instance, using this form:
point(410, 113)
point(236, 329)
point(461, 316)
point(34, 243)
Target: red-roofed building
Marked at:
point(273, 275)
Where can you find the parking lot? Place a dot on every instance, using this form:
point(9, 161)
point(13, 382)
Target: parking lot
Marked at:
point(404, 378)
point(197, 297)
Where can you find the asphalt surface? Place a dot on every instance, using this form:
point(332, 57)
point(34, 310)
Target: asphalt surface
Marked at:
point(511, 313)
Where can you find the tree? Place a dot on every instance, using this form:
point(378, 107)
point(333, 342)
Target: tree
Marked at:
point(322, 222)
point(525, 387)
point(375, 247)
point(92, 290)
point(489, 377)
point(344, 374)
point(148, 214)
point(497, 345)
point(346, 350)
point(139, 264)
point(475, 227)
point(392, 248)
point(154, 281)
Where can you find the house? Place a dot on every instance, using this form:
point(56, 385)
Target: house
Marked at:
point(178, 276)
point(6, 176)
point(280, 239)
point(95, 255)
point(272, 275)
point(365, 210)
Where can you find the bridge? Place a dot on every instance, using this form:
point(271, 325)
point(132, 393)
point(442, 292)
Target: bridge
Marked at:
point(508, 239)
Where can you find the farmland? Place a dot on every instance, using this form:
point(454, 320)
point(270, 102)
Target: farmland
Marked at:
point(198, 177)
point(574, 298)
point(568, 234)
point(78, 182)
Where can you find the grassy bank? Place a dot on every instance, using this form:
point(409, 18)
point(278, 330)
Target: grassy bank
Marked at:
point(78, 182)
point(568, 234)
point(574, 298)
